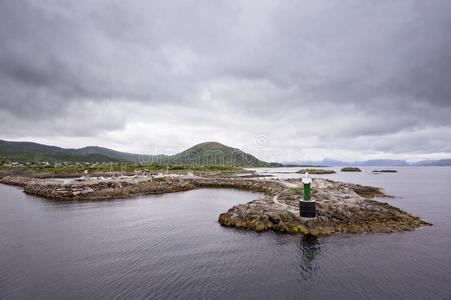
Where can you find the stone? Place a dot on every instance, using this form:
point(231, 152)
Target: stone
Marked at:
point(341, 207)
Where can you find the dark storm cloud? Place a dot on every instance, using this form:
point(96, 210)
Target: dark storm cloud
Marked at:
point(337, 73)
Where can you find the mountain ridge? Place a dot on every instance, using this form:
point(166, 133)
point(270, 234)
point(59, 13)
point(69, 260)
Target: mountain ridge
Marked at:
point(207, 153)
point(373, 162)
point(35, 152)
point(214, 153)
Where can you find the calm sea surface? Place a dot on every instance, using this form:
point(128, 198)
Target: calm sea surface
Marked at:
point(171, 247)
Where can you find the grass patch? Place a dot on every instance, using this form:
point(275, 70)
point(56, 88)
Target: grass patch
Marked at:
point(351, 169)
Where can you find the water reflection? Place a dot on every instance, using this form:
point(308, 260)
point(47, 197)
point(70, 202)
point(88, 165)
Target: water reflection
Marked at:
point(308, 250)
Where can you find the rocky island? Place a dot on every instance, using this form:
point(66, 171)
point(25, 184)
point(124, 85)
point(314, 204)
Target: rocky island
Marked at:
point(341, 207)
point(351, 169)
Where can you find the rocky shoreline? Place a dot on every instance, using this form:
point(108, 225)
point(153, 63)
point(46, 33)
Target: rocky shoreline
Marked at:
point(125, 188)
point(341, 207)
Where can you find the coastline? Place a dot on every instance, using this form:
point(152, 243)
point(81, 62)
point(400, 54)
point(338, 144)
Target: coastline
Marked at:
point(342, 207)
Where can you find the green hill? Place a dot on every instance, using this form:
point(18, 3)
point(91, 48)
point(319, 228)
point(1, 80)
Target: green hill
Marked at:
point(205, 154)
point(122, 156)
point(216, 154)
point(34, 152)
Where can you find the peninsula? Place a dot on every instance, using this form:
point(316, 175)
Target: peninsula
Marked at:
point(342, 207)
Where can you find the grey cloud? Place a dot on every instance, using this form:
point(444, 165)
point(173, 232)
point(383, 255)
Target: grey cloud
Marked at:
point(351, 71)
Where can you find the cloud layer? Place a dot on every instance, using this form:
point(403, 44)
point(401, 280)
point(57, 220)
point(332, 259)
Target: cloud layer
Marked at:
point(311, 79)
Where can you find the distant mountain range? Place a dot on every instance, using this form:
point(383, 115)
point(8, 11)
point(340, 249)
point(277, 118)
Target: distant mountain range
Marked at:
point(204, 154)
point(209, 153)
point(374, 162)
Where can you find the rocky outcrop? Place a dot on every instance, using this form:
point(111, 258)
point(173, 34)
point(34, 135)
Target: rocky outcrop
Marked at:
point(269, 187)
point(351, 169)
point(340, 208)
point(109, 189)
point(19, 180)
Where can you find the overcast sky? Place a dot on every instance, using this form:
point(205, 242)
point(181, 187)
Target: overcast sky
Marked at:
point(283, 80)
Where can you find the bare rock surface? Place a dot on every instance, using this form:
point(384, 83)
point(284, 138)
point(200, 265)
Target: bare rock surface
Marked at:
point(123, 188)
point(341, 207)
point(20, 180)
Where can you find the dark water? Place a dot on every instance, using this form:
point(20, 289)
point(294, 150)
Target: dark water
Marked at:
point(171, 247)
